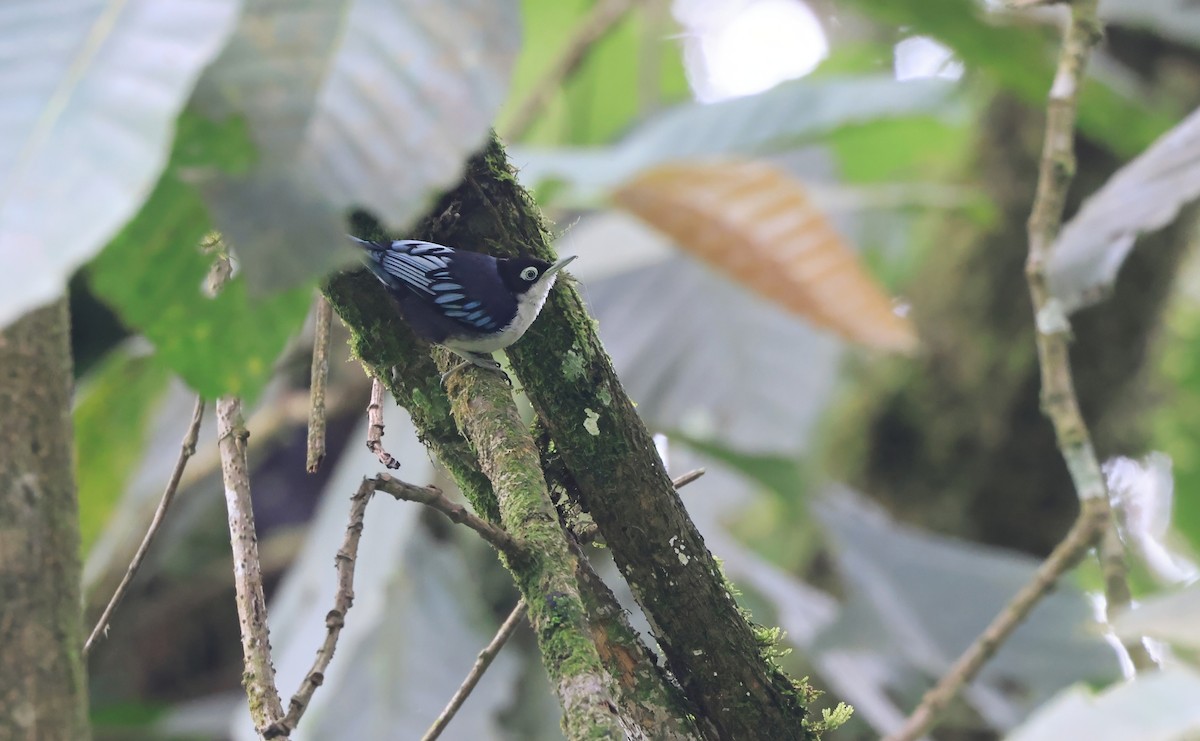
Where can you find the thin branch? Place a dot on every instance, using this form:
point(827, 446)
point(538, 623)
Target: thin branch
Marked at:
point(1066, 554)
point(486, 656)
point(186, 451)
point(1059, 401)
point(259, 675)
point(336, 619)
point(432, 496)
point(603, 17)
point(320, 375)
point(375, 426)
point(684, 479)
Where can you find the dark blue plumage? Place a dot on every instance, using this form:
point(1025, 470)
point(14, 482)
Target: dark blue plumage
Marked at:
point(472, 303)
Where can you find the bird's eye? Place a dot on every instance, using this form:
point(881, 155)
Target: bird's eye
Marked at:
point(530, 273)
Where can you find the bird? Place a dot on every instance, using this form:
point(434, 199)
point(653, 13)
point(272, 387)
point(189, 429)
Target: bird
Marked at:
point(468, 302)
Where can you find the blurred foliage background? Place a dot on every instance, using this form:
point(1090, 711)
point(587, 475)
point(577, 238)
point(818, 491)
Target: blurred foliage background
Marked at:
point(880, 478)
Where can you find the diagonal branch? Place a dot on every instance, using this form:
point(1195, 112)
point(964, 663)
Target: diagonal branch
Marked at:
point(1064, 557)
point(335, 620)
point(187, 450)
point(485, 659)
point(432, 496)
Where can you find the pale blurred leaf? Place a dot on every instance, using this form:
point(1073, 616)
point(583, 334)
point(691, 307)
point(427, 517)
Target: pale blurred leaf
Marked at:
point(782, 118)
point(757, 225)
point(91, 90)
point(1011, 55)
point(1141, 197)
point(1156, 706)
point(1173, 617)
point(1142, 494)
point(371, 104)
point(932, 596)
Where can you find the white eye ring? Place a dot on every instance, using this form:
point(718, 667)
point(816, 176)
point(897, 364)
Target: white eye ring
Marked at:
point(530, 273)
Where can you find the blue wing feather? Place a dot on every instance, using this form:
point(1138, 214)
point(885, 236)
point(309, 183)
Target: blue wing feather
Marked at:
point(424, 272)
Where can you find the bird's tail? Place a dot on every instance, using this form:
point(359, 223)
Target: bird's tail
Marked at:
point(374, 260)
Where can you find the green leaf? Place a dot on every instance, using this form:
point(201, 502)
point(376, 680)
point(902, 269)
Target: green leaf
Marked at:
point(1022, 60)
point(777, 473)
point(898, 148)
point(91, 93)
point(112, 414)
point(1176, 425)
point(597, 101)
point(153, 272)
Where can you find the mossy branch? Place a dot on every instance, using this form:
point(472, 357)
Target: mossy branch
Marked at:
point(708, 644)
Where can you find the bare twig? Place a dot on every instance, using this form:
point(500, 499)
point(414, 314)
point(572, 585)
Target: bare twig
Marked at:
point(187, 449)
point(259, 675)
point(320, 375)
point(684, 479)
point(1065, 555)
point(1059, 401)
point(375, 426)
point(603, 18)
point(432, 496)
point(336, 619)
point(486, 656)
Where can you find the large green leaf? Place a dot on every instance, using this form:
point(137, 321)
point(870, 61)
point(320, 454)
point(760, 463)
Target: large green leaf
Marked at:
point(371, 104)
point(153, 272)
point(601, 98)
point(111, 417)
point(90, 91)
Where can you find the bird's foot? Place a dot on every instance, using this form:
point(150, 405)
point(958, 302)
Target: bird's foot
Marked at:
point(479, 361)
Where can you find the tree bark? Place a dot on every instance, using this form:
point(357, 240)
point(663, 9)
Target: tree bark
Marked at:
point(720, 660)
point(42, 681)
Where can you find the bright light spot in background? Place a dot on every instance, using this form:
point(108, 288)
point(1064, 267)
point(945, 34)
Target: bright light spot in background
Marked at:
point(741, 47)
point(920, 56)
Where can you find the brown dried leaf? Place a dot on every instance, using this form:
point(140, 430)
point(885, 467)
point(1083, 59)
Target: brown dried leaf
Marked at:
point(757, 225)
